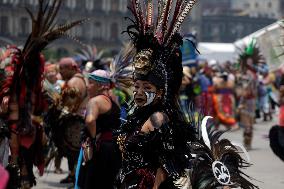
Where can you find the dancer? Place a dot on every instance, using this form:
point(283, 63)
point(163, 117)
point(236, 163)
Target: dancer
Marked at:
point(149, 142)
point(276, 133)
point(21, 97)
point(100, 159)
point(101, 154)
point(249, 64)
point(66, 117)
point(154, 140)
point(224, 100)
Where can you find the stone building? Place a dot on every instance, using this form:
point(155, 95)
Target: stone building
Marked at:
point(229, 28)
point(259, 8)
point(229, 20)
point(104, 28)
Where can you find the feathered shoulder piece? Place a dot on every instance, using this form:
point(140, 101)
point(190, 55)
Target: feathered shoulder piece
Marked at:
point(250, 57)
point(218, 162)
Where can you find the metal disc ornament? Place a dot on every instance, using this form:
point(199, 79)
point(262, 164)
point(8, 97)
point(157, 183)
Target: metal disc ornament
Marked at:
point(221, 173)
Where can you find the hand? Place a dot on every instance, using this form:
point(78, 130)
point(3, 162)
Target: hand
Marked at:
point(161, 176)
point(88, 150)
point(5, 104)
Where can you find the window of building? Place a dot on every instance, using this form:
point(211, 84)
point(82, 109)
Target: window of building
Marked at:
point(114, 5)
point(24, 23)
point(33, 2)
point(272, 15)
point(114, 31)
point(98, 4)
point(124, 7)
point(256, 5)
point(15, 2)
point(98, 31)
point(269, 4)
point(90, 4)
point(4, 28)
point(71, 4)
point(80, 4)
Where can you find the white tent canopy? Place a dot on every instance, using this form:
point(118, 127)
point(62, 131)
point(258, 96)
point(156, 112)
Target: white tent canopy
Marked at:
point(221, 52)
point(270, 41)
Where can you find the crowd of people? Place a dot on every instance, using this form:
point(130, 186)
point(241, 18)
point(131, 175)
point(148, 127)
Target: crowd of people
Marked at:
point(235, 99)
point(137, 120)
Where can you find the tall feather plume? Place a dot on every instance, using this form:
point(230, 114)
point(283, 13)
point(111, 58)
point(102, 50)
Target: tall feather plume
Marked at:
point(88, 53)
point(52, 12)
point(160, 8)
point(139, 18)
point(165, 18)
point(180, 19)
point(143, 12)
point(177, 11)
point(150, 13)
point(43, 30)
point(132, 8)
point(253, 52)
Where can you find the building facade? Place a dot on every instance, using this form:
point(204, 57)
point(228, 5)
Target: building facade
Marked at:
point(259, 8)
point(213, 20)
point(230, 28)
point(103, 29)
point(230, 20)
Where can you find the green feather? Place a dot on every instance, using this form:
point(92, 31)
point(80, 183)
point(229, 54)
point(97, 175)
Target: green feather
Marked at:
point(251, 47)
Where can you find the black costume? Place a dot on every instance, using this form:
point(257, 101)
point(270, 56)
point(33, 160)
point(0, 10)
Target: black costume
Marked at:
point(170, 146)
point(101, 170)
point(158, 60)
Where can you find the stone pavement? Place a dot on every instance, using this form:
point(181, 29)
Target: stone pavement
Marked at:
point(267, 168)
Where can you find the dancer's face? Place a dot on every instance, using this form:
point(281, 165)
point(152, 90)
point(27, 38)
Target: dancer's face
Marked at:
point(145, 93)
point(93, 88)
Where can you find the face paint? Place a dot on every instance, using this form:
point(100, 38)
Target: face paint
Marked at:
point(150, 98)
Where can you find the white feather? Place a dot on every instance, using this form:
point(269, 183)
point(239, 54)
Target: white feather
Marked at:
point(204, 131)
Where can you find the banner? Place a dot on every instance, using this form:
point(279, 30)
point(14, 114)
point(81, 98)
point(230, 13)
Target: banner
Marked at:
point(189, 54)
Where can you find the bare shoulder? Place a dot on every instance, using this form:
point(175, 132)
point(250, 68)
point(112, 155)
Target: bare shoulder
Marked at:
point(158, 119)
point(103, 103)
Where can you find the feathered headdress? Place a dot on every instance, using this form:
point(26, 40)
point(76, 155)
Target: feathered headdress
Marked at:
point(25, 70)
point(251, 51)
point(157, 42)
point(218, 162)
point(120, 69)
point(91, 54)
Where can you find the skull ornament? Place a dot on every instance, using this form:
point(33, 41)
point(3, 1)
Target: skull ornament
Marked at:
point(142, 62)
